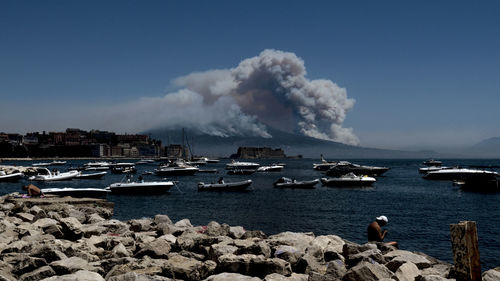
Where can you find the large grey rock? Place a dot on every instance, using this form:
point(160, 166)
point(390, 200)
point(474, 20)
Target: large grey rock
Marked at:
point(72, 228)
point(226, 276)
point(440, 269)
point(367, 272)
point(293, 277)
point(22, 263)
point(366, 256)
point(351, 248)
point(38, 274)
point(159, 219)
point(326, 247)
point(215, 229)
point(236, 232)
point(49, 253)
point(133, 276)
point(217, 250)
point(253, 246)
point(399, 257)
point(141, 225)
point(436, 278)
point(298, 240)
point(184, 224)
point(144, 266)
point(25, 217)
point(407, 272)
point(253, 265)
point(158, 249)
point(308, 263)
point(115, 227)
point(492, 274)
point(180, 267)
point(71, 265)
point(289, 253)
point(81, 275)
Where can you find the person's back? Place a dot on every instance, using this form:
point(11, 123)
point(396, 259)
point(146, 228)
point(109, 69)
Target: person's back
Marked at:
point(375, 233)
point(32, 190)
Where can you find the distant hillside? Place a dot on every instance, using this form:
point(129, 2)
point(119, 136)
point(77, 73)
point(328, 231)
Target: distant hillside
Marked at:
point(292, 144)
point(489, 148)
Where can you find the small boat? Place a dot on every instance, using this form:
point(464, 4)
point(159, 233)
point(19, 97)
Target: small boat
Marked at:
point(102, 168)
point(57, 163)
point(324, 165)
point(241, 172)
point(426, 170)
point(45, 174)
point(76, 192)
point(140, 187)
point(238, 165)
point(284, 182)
point(91, 176)
point(177, 168)
point(489, 185)
point(432, 162)
point(208, 171)
point(145, 161)
point(344, 167)
point(225, 186)
point(462, 174)
point(98, 164)
point(147, 173)
point(270, 168)
point(123, 168)
point(10, 177)
point(349, 179)
point(206, 159)
point(41, 164)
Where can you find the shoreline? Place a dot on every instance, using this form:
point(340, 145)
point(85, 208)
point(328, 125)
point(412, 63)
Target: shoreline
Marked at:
point(73, 237)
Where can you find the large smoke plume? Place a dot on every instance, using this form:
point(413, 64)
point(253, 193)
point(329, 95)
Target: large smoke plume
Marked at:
point(270, 89)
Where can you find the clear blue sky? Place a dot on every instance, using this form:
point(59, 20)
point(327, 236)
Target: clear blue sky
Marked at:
point(423, 73)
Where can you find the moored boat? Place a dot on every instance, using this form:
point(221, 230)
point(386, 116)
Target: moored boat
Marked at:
point(177, 168)
point(344, 167)
point(76, 192)
point(225, 186)
point(324, 165)
point(285, 182)
point(432, 162)
point(239, 165)
point(348, 180)
point(270, 168)
point(91, 176)
point(425, 170)
point(45, 174)
point(462, 174)
point(140, 187)
point(241, 171)
point(10, 177)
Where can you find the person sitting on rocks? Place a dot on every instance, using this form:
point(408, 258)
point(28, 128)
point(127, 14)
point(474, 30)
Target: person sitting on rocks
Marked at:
point(375, 233)
point(33, 190)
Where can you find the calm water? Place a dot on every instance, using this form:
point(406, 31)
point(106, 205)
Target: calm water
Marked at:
point(419, 211)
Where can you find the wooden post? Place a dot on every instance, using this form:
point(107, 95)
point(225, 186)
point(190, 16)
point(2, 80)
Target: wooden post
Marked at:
point(464, 243)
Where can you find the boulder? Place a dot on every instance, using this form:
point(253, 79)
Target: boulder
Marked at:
point(436, 278)
point(38, 274)
point(184, 224)
point(49, 253)
point(253, 265)
point(367, 272)
point(492, 274)
point(296, 239)
point(350, 248)
point(22, 263)
point(81, 275)
point(133, 276)
point(94, 218)
point(407, 272)
point(72, 265)
point(253, 246)
point(180, 267)
point(25, 217)
point(308, 264)
point(370, 256)
point(289, 253)
point(236, 232)
point(231, 277)
point(293, 277)
point(157, 249)
point(141, 225)
point(399, 257)
point(119, 251)
point(254, 234)
point(220, 249)
point(72, 228)
point(160, 219)
point(326, 247)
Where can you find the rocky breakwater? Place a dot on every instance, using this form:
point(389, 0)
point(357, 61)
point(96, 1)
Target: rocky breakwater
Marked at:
point(70, 240)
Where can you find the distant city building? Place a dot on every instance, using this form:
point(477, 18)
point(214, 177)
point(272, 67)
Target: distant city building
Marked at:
point(258, 153)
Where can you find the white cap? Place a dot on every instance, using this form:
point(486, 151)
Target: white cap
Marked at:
point(382, 218)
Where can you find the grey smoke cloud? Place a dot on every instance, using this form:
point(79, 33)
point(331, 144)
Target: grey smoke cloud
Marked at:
point(270, 89)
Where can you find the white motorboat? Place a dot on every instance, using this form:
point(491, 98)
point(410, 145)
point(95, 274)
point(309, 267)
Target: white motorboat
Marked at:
point(425, 170)
point(97, 164)
point(284, 182)
point(140, 187)
point(76, 192)
point(349, 179)
point(461, 174)
point(91, 176)
point(225, 186)
point(238, 165)
point(41, 164)
point(57, 163)
point(145, 161)
point(324, 165)
point(10, 177)
point(270, 168)
point(177, 168)
point(344, 167)
point(432, 162)
point(45, 174)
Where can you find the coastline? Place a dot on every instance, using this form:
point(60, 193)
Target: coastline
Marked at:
point(42, 238)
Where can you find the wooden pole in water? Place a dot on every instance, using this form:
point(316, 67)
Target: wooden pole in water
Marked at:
point(464, 243)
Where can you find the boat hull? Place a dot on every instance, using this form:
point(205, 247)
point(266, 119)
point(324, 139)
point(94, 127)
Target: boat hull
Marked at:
point(144, 188)
point(298, 184)
point(368, 171)
point(231, 186)
point(77, 192)
point(92, 176)
point(171, 172)
point(11, 177)
point(341, 182)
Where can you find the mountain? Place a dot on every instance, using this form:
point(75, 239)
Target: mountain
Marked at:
point(292, 144)
point(489, 148)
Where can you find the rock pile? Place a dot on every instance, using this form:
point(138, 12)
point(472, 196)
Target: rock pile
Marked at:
point(71, 242)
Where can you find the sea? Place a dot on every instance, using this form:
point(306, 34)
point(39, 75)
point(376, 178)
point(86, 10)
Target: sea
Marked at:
point(420, 211)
